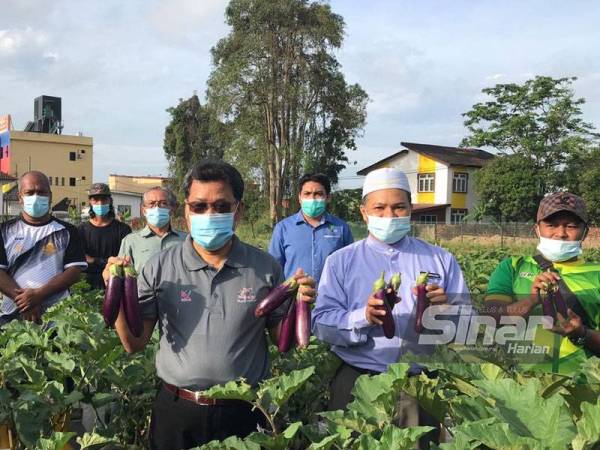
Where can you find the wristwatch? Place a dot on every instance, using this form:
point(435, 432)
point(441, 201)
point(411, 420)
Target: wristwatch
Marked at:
point(581, 340)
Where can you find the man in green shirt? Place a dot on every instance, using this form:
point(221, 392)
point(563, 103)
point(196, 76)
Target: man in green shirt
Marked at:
point(515, 285)
point(157, 207)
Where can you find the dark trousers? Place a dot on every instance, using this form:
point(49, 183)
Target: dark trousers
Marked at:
point(180, 424)
point(9, 318)
point(410, 414)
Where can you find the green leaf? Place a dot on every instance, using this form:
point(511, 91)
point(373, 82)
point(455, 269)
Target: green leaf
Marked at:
point(350, 420)
point(56, 442)
point(236, 390)
point(90, 440)
point(588, 427)
point(281, 441)
point(376, 397)
point(61, 360)
point(519, 406)
point(324, 444)
point(494, 435)
point(276, 391)
point(231, 443)
point(393, 438)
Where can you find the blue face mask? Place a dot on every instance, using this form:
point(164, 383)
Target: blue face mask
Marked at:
point(212, 231)
point(101, 210)
point(158, 217)
point(313, 207)
point(389, 229)
point(36, 205)
point(556, 250)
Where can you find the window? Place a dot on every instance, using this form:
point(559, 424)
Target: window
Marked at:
point(457, 215)
point(50, 180)
point(72, 156)
point(83, 178)
point(428, 218)
point(56, 181)
point(426, 182)
point(62, 181)
point(460, 182)
point(72, 181)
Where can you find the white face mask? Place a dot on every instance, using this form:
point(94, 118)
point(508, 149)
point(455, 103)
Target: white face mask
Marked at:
point(556, 250)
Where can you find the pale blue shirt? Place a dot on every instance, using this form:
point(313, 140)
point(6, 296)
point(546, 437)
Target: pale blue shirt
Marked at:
point(347, 282)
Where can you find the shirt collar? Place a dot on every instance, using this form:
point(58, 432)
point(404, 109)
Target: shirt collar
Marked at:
point(299, 218)
point(193, 261)
point(382, 247)
point(147, 232)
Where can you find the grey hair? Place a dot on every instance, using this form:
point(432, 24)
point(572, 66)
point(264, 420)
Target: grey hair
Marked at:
point(170, 195)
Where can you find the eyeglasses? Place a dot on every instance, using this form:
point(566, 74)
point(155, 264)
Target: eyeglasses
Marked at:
point(160, 204)
point(202, 207)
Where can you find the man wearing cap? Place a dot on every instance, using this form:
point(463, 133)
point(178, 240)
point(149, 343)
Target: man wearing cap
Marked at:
point(102, 234)
point(346, 313)
point(307, 238)
point(515, 285)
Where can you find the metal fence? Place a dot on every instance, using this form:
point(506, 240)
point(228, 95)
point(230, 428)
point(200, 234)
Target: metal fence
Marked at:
point(502, 232)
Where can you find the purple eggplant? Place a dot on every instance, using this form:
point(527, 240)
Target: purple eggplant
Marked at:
point(113, 295)
point(422, 301)
point(545, 298)
point(131, 306)
point(276, 297)
point(391, 291)
point(388, 324)
point(286, 334)
point(559, 302)
point(302, 323)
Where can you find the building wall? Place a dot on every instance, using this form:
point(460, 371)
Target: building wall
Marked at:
point(134, 184)
point(133, 201)
point(50, 154)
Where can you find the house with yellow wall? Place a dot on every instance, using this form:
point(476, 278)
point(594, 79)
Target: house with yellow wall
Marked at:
point(440, 178)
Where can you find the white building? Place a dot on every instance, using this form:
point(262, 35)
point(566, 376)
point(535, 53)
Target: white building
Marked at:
point(440, 178)
point(127, 203)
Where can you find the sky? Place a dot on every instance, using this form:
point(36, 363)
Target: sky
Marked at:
point(118, 65)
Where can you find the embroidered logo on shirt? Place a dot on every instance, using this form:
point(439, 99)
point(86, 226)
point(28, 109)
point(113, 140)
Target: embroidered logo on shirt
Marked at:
point(525, 274)
point(246, 295)
point(185, 296)
point(49, 248)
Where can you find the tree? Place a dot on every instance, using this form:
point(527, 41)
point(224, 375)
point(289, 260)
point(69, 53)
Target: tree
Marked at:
point(275, 78)
point(589, 185)
point(510, 188)
point(539, 120)
point(193, 134)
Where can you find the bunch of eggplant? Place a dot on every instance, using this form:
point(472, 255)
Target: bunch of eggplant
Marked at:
point(388, 292)
point(552, 301)
point(296, 323)
point(121, 290)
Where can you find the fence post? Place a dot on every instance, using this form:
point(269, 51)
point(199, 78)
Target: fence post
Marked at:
point(501, 235)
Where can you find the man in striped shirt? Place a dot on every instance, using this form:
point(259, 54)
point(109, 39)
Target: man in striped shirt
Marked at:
point(40, 256)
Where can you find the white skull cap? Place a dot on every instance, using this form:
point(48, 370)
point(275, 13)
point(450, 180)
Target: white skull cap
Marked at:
point(385, 178)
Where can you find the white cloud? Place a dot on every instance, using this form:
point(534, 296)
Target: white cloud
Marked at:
point(179, 20)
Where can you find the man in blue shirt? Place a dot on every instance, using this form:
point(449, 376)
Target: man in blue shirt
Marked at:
point(347, 315)
point(307, 238)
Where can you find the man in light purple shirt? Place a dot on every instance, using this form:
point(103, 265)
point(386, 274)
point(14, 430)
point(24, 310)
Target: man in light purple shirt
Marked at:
point(346, 316)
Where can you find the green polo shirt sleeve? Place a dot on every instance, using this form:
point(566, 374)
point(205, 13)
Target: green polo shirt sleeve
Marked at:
point(125, 249)
point(500, 285)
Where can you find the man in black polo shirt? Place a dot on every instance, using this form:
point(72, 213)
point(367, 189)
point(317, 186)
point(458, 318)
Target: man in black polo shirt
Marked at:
point(101, 236)
point(202, 293)
point(40, 256)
